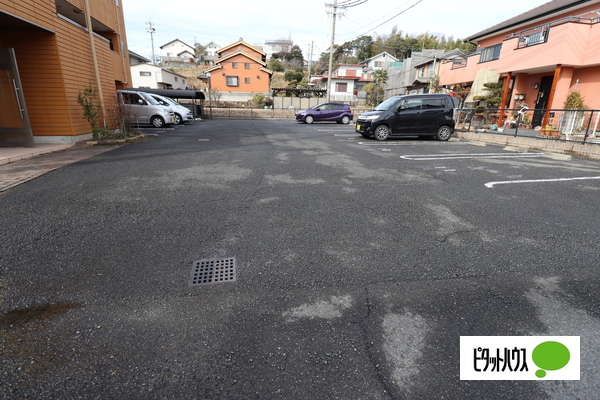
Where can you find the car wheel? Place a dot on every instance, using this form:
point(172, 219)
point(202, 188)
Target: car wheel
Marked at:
point(443, 133)
point(309, 119)
point(345, 120)
point(157, 122)
point(382, 132)
point(178, 119)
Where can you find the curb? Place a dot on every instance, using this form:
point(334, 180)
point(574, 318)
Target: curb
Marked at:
point(113, 141)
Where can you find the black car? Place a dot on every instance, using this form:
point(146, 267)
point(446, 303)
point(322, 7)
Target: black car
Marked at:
point(409, 115)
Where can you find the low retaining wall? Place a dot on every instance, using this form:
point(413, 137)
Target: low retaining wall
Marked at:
point(589, 150)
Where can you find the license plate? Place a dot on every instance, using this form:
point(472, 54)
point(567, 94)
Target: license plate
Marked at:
point(358, 127)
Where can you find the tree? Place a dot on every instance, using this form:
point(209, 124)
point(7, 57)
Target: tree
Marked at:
point(199, 51)
point(493, 99)
point(375, 92)
point(275, 65)
point(294, 76)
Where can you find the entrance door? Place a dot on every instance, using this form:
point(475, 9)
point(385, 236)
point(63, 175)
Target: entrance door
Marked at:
point(542, 100)
point(14, 121)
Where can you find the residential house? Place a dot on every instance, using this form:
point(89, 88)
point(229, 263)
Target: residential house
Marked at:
point(239, 72)
point(403, 79)
point(210, 53)
point(177, 52)
point(380, 61)
point(150, 76)
point(540, 56)
point(428, 72)
point(347, 80)
point(135, 58)
point(277, 46)
point(51, 53)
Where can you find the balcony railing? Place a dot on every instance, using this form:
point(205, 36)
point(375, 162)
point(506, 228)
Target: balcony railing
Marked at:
point(559, 124)
point(539, 34)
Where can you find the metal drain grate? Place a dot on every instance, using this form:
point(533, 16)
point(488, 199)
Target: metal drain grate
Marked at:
point(213, 270)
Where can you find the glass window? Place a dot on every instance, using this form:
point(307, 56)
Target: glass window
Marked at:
point(246, 80)
point(341, 87)
point(234, 65)
point(490, 53)
point(232, 81)
point(433, 103)
point(247, 65)
point(145, 73)
point(411, 104)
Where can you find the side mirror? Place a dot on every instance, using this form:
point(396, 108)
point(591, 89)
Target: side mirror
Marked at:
point(140, 101)
point(318, 109)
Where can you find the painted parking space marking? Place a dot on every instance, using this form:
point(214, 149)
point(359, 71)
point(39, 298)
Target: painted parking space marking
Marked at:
point(429, 157)
point(492, 184)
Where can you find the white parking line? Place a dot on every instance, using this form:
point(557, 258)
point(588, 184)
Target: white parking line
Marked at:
point(427, 157)
point(492, 184)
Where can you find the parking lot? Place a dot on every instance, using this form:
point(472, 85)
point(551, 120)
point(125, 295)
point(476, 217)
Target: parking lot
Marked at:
point(359, 265)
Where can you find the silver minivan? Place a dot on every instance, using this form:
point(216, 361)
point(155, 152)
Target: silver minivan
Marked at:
point(142, 109)
point(182, 114)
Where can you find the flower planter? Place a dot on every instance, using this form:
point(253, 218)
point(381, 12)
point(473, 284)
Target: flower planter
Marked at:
point(550, 132)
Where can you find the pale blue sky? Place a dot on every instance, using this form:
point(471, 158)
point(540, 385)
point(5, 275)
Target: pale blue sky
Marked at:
point(305, 22)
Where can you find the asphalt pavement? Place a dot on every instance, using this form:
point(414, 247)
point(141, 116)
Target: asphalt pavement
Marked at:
point(358, 267)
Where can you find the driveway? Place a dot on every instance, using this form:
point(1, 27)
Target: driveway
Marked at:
point(358, 267)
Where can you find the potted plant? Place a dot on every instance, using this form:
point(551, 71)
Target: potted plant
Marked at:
point(572, 119)
point(549, 130)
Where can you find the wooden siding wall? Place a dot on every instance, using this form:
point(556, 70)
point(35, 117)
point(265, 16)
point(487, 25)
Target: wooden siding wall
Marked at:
point(55, 67)
point(41, 12)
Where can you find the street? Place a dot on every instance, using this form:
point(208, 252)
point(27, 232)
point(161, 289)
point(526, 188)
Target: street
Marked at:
point(360, 264)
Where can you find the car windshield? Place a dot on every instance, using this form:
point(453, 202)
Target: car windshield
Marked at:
point(386, 105)
point(149, 99)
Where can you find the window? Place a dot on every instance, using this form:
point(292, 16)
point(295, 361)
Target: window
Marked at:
point(145, 73)
point(378, 64)
point(429, 104)
point(234, 65)
point(341, 87)
point(490, 53)
point(413, 104)
point(176, 79)
point(246, 65)
point(246, 80)
point(232, 81)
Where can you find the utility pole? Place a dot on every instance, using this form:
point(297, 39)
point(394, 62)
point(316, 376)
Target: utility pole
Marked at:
point(310, 59)
point(150, 29)
point(329, 74)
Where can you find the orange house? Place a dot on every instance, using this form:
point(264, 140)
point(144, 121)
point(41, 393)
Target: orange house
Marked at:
point(48, 55)
point(240, 68)
point(540, 56)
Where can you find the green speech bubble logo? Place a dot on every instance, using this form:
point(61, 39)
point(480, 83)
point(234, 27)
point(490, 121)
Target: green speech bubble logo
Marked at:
point(550, 356)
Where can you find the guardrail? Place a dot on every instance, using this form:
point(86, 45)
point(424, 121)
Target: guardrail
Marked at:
point(558, 124)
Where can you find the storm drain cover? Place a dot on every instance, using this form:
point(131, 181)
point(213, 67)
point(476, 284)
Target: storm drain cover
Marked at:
point(213, 270)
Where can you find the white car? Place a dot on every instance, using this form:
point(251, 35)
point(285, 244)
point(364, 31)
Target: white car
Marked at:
point(182, 114)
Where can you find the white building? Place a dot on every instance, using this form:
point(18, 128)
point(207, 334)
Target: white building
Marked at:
point(153, 77)
point(347, 80)
point(277, 46)
point(177, 51)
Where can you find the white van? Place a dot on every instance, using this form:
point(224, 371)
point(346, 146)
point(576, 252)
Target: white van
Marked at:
point(182, 114)
point(142, 109)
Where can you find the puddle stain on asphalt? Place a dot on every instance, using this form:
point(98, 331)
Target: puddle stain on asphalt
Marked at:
point(23, 316)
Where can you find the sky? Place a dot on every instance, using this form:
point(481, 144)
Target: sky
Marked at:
point(307, 23)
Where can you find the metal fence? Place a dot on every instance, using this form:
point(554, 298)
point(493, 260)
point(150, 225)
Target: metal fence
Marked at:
point(558, 124)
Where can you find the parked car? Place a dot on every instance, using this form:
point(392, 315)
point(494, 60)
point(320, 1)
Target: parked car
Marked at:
point(339, 112)
point(141, 108)
point(409, 115)
point(182, 114)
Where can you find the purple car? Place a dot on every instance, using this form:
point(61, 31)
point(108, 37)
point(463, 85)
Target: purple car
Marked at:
point(338, 112)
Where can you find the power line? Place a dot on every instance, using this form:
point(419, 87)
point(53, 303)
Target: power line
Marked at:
point(388, 20)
